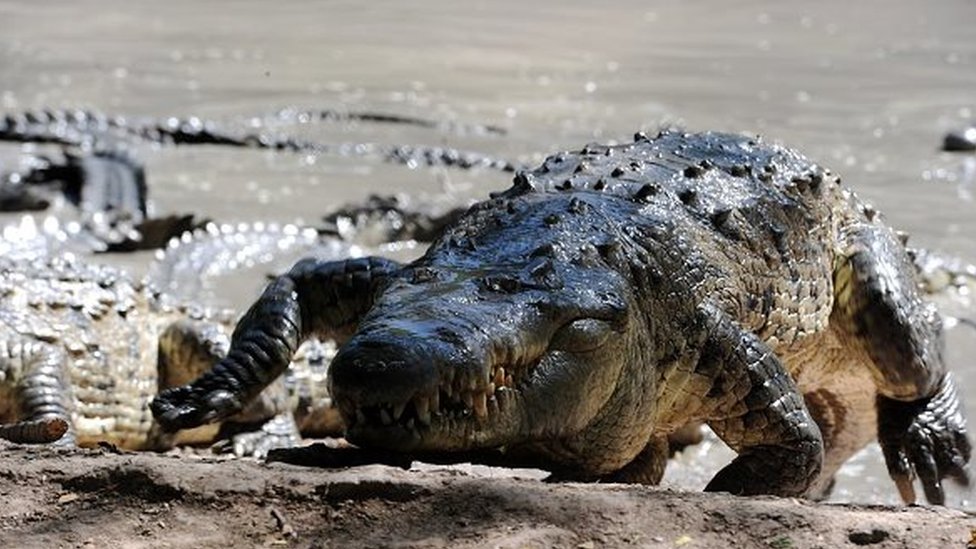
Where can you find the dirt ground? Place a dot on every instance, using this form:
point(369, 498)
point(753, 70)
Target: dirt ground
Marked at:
point(102, 498)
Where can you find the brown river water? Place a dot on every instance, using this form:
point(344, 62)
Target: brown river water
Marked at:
point(867, 88)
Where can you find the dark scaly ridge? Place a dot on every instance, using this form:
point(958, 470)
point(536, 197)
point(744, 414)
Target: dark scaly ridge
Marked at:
point(304, 116)
point(98, 131)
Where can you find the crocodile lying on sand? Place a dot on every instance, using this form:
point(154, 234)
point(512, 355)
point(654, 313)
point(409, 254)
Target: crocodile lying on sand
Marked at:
point(87, 348)
point(612, 296)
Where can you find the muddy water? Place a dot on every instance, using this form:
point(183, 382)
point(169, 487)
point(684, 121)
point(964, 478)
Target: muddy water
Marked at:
point(867, 88)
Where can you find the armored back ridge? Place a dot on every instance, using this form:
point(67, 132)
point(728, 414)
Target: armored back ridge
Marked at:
point(609, 298)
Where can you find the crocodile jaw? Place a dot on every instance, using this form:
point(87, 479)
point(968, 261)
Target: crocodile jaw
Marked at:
point(513, 395)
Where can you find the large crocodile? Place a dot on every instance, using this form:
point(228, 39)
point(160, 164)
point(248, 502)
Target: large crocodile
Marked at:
point(612, 296)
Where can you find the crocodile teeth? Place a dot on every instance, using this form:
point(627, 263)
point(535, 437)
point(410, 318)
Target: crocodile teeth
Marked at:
point(398, 410)
point(435, 401)
point(503, 396)
point(481, 405)
point(385, 418)
point(468, 399)
point(499, 376)
point(422, 405)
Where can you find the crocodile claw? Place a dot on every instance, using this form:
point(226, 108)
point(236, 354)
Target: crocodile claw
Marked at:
point(927, 440)
point(187, 407)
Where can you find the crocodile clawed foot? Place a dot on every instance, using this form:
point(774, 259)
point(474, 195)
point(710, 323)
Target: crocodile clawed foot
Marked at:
point(187, 407)
point(926, 440)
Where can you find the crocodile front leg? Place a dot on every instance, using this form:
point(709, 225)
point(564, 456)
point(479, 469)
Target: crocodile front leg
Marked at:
point(187, 350)
point(762, 416)
point(314, 298)
point(921, 426)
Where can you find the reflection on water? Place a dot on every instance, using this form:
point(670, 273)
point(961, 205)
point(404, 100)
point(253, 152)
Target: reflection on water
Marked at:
point(867, 88)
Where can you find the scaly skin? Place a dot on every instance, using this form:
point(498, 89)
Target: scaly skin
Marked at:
point(614, 295)
point(83, 349)
point(79, 342)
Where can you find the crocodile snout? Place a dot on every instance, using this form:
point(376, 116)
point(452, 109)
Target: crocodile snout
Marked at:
point(404, 385)
point(386, 368)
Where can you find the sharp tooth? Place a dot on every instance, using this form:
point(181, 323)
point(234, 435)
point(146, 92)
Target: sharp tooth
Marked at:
point(468, 399)
point(509, 382)
point(385, 418)
point(499, 376)
point(398, 410)
point(503, 396)
point(410, 424)
point(490, 389)
point(481, 405)
point(435, 402)
point(492, 405)
point(422, 405)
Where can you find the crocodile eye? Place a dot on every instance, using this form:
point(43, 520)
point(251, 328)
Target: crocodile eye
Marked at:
point(581, 336)
point(421, 275)
point(501, 284)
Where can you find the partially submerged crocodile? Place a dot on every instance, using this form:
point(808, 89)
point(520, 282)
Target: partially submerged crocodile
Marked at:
point(612, 296)
point(103, 177)
point(90, 130)
point(98, 202)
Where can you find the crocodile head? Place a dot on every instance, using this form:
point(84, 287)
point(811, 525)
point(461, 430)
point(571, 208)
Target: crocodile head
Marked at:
point(498, 339)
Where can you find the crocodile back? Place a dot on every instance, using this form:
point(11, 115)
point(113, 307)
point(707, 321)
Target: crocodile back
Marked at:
point(746, 225)
point(100, 323)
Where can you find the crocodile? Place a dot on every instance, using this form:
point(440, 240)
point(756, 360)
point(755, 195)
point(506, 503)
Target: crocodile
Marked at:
point(614, 295)
point(95, 200)
point(109, 182)
point(83, 348)
point(298, 115)
point(96, 130)
point(102, 176)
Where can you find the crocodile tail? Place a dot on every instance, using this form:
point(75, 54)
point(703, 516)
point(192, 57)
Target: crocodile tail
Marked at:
point(35, 431)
